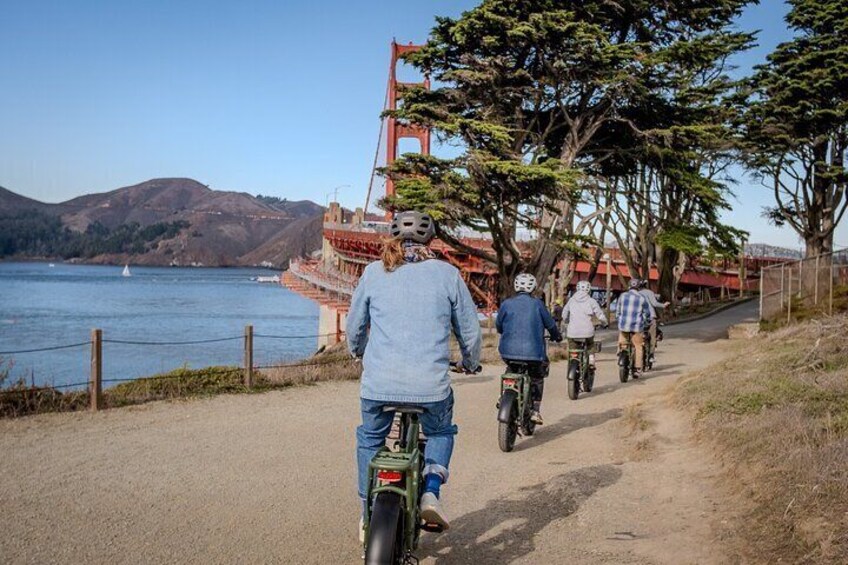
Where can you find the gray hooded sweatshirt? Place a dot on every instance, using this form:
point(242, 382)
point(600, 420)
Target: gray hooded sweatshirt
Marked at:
point(578, 314)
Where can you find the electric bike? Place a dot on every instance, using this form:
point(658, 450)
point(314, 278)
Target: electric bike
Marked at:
point(514, 406)
point(395, 484)
point(627, 358)
point(581, 375)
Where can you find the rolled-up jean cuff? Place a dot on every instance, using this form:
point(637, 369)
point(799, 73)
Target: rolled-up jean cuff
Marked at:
point(438, 470)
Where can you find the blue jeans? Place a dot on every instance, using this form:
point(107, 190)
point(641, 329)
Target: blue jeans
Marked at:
point(436, 421)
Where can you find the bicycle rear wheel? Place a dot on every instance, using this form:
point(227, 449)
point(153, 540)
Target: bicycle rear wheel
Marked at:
point(385, 538)
point(590, 380)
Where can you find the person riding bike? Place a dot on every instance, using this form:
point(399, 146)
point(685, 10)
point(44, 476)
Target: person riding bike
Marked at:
point(654, 304)
point(579, 314)
point(522, 321)
point(400, 320)
point(557, 312)
point(634, 316)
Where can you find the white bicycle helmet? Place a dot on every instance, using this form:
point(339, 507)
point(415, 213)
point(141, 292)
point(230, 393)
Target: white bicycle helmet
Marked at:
point(584, 286)
point(525, 282)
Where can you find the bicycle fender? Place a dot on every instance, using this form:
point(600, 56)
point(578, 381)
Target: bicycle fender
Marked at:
point(508, 400)
point(573, 369)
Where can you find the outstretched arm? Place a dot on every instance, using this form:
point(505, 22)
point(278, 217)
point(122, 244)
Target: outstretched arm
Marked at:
point(654, 300)
point(599, 313)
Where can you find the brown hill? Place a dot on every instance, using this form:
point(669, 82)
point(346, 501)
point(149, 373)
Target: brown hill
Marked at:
point(11, 203)
point(226, 228)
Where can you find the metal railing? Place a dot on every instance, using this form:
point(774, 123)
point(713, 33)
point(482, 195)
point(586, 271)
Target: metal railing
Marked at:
point(796, 286)
point(323, 278)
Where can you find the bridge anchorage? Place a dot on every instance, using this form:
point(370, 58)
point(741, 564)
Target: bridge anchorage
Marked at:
point(352, 240)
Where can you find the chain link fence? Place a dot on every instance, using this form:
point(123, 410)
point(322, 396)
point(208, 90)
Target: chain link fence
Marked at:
point(812, 284)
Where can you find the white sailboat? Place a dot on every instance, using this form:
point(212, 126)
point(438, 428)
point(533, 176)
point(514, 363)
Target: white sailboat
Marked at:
point(126, 272)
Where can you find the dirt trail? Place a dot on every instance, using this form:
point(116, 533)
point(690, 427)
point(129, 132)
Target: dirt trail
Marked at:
point(270, 477)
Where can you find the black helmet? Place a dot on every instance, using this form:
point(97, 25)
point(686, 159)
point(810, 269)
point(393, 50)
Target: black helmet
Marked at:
point(415, 226)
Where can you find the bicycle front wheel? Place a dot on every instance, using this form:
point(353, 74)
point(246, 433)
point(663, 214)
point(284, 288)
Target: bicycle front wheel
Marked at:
point(573, 379)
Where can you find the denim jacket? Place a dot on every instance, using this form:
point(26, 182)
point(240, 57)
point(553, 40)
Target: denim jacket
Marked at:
point(522, 321)
point(400, 322)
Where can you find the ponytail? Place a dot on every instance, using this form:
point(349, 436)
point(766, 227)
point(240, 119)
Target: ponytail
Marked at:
point(392, 254)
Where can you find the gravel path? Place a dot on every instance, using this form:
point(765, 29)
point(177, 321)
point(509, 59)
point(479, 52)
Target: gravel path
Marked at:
point(269, 478)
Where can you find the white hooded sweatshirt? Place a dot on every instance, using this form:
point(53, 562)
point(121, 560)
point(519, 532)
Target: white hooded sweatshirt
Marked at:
point(578, 314)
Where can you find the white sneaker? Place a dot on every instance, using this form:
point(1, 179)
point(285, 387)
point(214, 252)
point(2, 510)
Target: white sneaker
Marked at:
point(432, 511)
point(536, 418)
point(362, 529)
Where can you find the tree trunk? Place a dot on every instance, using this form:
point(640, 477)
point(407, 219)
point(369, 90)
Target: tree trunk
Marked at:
point(667, 259)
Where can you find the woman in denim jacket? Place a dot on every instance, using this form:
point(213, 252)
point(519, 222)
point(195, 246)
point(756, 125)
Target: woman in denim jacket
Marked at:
point(400, 320)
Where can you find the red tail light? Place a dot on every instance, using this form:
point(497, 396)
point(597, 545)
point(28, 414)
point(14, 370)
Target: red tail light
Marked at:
point(509, 382)
point(574, 355)
point(389, 476)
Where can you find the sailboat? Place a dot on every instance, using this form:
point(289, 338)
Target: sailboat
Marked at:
point(126, 272)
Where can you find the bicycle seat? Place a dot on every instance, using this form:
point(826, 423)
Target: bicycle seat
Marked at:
point(404, 409)
point(518, 367)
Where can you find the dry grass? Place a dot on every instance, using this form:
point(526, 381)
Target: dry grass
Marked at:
point(778, 414)
point(802, 311)
point(641, 444)
point(334, 364)
point(634, 419)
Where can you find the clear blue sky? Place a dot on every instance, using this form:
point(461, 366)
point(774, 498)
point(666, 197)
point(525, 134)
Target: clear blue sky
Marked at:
point(270, 97)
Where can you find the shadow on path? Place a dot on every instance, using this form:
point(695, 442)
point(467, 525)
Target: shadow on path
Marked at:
point(566, 425)
point(504, 529)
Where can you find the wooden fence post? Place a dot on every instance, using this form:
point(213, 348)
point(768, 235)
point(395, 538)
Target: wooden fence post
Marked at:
point(830, 297)
point(248, 356)
point(95, 384)
point(762, 286)
point(789, 299)
point(782, 290)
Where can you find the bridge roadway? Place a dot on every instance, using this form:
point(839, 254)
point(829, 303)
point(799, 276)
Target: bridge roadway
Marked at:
point(268, 478)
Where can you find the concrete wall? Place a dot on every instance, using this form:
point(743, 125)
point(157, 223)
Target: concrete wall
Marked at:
point(331, 321)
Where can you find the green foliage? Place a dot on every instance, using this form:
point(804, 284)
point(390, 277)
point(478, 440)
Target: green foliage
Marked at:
point(796, 124)
point(273, 201)
point(541, 95)
point(36, 234)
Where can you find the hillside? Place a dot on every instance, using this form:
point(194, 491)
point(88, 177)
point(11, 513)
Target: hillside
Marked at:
point(224, 228)
point(11, 203)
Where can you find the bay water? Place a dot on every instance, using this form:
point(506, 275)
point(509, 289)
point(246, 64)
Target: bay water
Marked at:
point(44, 305)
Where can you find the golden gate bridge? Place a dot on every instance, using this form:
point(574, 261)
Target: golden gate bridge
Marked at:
point(352, 240)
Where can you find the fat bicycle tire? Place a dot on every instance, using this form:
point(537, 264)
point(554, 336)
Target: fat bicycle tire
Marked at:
point(589, 382)
point(573, 380)
point(624, 371)
point(385, 536)
point(529, 427)
point(507, 432)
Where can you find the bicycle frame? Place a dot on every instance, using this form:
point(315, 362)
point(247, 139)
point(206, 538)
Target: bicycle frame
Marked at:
point(407, 461)
point(582, 356)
